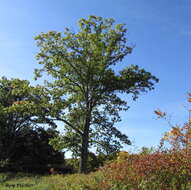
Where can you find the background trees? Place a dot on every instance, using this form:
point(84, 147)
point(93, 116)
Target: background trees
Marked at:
point(85, 87)
point(23, 144)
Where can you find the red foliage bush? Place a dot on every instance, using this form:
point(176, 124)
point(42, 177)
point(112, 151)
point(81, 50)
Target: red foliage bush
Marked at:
point(162, 170)
point(160, 166)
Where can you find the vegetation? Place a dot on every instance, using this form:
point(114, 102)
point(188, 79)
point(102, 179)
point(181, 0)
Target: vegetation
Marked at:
point(85, 86)
point(167, 171)
point(24, 144)
point(84, 94)
point(151, 169)
point(179, 137)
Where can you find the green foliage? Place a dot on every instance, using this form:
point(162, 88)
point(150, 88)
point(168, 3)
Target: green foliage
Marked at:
point(73, 163)
point(23, 144)
point(33, 152)
point(94, 161)
point(146, 150)
point(85, 86)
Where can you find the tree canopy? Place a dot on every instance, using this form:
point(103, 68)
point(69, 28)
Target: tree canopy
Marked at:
point(85, 87)
point(23, 143)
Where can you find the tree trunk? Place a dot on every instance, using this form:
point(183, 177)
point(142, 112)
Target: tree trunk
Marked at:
point(84, 155)
point(84, 149)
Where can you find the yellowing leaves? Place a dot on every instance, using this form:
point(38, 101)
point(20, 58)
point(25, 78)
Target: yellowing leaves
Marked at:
point(176, 131)
point(123, 155)
point(179, 137)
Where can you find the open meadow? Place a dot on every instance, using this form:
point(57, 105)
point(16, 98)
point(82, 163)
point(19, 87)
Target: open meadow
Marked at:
point(156, 171)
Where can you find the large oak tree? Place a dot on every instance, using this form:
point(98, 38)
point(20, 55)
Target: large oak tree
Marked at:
point(85, 86)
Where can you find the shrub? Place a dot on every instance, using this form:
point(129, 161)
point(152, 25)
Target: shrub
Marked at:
point(159, 169)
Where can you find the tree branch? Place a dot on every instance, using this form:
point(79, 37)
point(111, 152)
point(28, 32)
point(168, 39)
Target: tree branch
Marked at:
point(69, 124)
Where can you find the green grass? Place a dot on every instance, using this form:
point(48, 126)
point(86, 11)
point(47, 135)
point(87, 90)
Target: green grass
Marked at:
point(50, 182)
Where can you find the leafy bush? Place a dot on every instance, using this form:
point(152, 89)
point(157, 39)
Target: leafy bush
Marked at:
point(158, 170)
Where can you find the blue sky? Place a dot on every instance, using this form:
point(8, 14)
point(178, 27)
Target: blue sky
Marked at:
point(161, 31)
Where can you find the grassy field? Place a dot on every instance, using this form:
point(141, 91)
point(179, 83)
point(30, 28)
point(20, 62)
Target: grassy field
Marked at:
point(156, 171)
point(92, 181)
point(50, 182)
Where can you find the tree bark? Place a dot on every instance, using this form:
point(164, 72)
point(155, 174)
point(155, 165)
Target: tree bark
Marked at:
point(84, 149)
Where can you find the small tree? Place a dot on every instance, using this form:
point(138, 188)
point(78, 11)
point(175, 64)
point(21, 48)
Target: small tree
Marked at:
point(179, 137)
point(85, 87)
